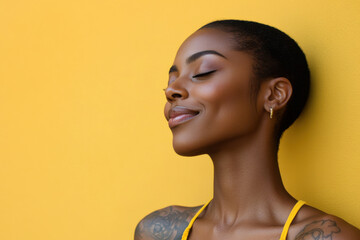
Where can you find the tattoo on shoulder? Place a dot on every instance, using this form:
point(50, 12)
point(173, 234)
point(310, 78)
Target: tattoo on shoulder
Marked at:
point(319, 230)
point(165, 224)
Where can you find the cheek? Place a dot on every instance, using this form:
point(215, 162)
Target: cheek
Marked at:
point(223, 96)
point(228, 107)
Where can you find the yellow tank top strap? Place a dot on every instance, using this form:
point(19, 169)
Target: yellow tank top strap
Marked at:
point(187, 229)
point(290, 218)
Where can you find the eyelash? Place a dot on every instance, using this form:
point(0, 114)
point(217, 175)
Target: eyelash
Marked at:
point(203, 74)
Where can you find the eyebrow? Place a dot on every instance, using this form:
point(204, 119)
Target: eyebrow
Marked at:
point(195, 56)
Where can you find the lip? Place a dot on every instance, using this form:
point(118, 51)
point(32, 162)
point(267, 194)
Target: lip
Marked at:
point(179, 114)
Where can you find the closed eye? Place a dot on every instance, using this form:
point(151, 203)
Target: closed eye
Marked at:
point(203, 74)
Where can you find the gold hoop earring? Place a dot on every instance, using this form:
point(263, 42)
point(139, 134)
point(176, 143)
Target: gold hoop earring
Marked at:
point(271, 112)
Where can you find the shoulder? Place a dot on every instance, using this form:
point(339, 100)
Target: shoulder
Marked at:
point(313, 224)
point(166, 223)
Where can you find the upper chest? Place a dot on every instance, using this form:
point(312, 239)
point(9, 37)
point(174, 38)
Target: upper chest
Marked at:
point(201, 230)
point(248, 232)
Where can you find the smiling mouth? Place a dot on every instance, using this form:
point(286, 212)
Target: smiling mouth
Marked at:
point(179, 115)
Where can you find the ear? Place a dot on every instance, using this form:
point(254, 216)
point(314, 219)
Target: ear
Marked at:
point(277, 93)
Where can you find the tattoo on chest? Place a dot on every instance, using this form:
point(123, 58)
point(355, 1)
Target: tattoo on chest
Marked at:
point(319, 230)
point(166, 224)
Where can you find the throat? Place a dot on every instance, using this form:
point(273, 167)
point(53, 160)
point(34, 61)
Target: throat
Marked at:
point(246, 188)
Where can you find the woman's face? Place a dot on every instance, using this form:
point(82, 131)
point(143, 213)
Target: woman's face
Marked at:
point(208, 95)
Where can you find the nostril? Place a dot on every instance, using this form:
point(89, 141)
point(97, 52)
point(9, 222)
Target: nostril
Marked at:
point(176, 95)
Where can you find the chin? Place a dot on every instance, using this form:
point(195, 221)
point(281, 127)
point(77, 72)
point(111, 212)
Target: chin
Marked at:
point(187, 153)
point(188, 148)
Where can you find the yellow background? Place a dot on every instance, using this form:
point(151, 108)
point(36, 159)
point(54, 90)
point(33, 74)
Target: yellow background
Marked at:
point(85, 151)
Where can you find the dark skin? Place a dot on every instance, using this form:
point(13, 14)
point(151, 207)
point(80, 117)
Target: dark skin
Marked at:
point(211, 111)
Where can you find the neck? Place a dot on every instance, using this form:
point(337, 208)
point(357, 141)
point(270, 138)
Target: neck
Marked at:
point(247, 181)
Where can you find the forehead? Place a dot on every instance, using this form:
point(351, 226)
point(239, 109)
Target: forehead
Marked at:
point(215, 40)
point(206, 39)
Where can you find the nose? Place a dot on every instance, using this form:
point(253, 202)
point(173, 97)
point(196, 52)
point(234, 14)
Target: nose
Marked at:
point(176, 91)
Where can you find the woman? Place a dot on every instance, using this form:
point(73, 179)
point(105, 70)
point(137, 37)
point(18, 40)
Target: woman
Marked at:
point(235, 86)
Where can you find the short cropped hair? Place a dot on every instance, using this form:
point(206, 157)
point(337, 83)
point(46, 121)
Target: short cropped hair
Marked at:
point(276, 55)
